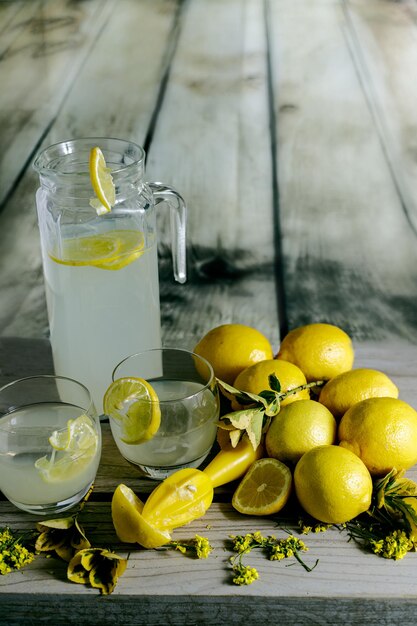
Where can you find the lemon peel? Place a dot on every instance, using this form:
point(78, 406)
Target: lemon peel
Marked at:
point(102, 183)
point(129, 523)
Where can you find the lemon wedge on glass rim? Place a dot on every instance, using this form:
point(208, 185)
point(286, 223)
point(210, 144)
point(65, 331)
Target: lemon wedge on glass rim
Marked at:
point(102, 183)
point(134, 404)
point(73, 448)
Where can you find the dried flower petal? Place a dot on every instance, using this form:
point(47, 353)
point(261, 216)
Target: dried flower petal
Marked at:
point(98, 567)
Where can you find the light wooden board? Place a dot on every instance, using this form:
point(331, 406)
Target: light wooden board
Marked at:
point(221, 152)
point(93, 105)
point(41, 52)
point(350, 255)
point(347, 586)
point(208, 136)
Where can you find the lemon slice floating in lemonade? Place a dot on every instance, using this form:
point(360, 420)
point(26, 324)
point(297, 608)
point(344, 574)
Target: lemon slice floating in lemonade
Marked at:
point(73, 448)
point(133, 402)
point(111, 250)
point(102, 183)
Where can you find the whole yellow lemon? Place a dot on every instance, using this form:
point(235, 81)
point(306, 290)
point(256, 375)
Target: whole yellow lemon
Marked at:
point(298, 428)
point(332, 484)
point(231, 348)
point(254, 379)
point(345, 390)
point(321, 351)
point(382, 432)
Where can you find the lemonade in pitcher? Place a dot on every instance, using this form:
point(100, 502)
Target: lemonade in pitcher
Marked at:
point(99, 251)
point(102, 296)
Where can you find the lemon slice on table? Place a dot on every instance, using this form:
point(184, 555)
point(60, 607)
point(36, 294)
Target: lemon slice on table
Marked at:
point(133, 402)
point(264, 489)
point(102, 183)
point(73, 448)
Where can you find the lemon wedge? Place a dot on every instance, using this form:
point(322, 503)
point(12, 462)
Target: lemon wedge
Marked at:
point(133, 402)
point(73, 449)
point(102, 183)
point(130, 525)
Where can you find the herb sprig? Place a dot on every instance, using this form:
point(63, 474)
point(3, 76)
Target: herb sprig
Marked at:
point(259, 409)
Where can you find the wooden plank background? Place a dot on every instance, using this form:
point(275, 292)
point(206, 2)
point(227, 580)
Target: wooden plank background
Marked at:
point(288, 127)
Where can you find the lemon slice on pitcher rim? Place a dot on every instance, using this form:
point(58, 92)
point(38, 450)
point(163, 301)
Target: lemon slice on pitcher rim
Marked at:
point(73, 449)
point(102, 183)
point(134, 404)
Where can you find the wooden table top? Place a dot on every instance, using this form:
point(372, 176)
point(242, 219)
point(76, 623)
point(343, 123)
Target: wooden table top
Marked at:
point(289, 126)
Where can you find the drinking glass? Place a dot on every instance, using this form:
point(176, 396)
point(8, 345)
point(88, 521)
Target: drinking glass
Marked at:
point(189, 406)
point(101, 271)
point(50, 443)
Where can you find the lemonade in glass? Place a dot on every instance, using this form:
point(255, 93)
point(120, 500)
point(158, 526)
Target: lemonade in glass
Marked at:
point(163, 407)
point(50, 443)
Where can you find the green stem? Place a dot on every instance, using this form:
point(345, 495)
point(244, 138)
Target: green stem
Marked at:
point(290, 392)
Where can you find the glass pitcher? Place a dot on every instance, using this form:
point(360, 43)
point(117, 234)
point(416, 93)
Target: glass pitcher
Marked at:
point(101, 271)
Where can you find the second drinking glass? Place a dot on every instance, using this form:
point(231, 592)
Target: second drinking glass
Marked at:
point(183, 410)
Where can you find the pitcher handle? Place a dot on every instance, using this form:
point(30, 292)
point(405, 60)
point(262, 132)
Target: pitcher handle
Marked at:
point(178, 220)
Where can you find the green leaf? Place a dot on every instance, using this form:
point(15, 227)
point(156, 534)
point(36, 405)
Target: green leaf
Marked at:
point(235, 437)
point(243, 397)
point(274, 382)
point(273, 408)
point(249, 421)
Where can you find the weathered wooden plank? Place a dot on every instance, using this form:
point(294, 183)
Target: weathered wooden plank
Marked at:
point(382, 38)
point(142, 30)
point(212, 142)
point(349, 253)
point(41, 53)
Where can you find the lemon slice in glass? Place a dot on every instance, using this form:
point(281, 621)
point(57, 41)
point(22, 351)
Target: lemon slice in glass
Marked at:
point(73, 448)
point(133, 402)
point(102, 182)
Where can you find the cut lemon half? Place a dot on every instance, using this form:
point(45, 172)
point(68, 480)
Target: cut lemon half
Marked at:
point(102, 183)
point(130, 525)
point(111, 250)
point(134, 404)
point(73, 449)
point(264, 489)
point(179, 499)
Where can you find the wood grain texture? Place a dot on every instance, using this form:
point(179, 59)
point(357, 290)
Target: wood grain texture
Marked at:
point(41, 52)
point(347, 586)
point(96, 104)
point(349, 252)
point(221, 152)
